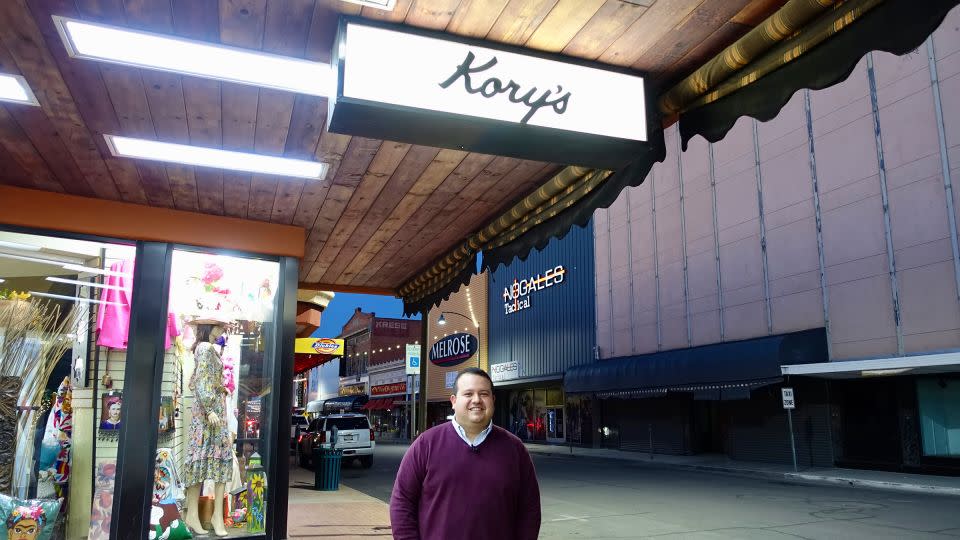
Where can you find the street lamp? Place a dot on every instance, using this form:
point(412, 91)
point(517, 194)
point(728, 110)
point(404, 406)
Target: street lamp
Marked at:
point(442, 321)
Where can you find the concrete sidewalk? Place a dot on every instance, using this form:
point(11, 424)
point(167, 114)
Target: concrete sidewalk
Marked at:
point(914, 483)
point(341, 514)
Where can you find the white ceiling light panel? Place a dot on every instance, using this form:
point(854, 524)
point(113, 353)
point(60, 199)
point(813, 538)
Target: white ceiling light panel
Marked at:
point(213, 61)
point(214, 157)
point(14, 89)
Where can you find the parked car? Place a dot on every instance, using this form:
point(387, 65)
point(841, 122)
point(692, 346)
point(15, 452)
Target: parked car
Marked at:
point(354, 436)
point(297, 426)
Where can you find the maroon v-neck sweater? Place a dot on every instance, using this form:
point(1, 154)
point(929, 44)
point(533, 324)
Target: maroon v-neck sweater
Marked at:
point(447, 490)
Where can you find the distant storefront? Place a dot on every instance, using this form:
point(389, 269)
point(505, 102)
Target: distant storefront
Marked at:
point(456, 344)
point(542, 318)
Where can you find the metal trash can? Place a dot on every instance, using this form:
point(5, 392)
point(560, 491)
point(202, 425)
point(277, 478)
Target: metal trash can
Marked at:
point(326, 469)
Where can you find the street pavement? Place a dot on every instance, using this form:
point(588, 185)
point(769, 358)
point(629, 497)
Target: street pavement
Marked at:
point(587, 497)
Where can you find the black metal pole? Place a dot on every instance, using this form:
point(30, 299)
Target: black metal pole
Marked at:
point(424, 366)
point(286, 317)
point(133, 490)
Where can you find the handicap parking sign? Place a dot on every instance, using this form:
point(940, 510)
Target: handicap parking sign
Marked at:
point(413, 359)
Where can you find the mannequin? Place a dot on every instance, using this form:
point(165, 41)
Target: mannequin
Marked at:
point(209, 448)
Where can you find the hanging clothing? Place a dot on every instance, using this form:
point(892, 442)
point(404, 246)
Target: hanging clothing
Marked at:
point(113, 315)
point(209, 453)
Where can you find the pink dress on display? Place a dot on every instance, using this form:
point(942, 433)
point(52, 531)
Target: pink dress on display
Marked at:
point(113, 317)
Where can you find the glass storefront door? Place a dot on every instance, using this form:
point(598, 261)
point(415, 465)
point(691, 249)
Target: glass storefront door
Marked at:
point(536, 414)
point(216, 396)
point(64, 328)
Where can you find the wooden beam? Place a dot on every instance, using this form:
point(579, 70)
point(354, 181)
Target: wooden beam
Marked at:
point(112, 219)
point(357, 289)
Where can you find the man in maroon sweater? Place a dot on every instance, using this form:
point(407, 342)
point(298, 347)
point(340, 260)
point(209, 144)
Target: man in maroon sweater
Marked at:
point(467, 479)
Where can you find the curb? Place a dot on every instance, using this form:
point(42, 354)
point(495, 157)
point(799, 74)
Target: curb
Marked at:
point(874, 484)
point(796, 477)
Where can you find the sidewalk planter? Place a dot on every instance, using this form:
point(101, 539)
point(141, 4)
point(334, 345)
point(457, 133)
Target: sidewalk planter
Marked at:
point(327, 469)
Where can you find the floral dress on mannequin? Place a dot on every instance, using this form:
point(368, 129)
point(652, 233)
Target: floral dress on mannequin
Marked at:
point(209, 453)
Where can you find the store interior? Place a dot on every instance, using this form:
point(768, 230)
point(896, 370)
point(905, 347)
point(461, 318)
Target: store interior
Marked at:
point(65, 309)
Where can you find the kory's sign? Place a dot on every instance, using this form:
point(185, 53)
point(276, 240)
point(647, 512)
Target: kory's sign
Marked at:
point(412, 85)
point(454, 349)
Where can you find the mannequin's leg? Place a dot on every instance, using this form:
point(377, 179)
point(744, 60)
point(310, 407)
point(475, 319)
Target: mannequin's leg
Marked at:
point(192, 515)
point(217, 519)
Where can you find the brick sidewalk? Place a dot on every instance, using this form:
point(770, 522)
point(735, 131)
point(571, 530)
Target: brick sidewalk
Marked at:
point(334, 515)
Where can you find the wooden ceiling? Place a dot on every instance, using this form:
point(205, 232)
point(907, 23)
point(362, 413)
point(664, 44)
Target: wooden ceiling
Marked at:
point(385, 209)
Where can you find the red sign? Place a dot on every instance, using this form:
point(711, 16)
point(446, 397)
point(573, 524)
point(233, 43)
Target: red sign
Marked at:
point(385, 389)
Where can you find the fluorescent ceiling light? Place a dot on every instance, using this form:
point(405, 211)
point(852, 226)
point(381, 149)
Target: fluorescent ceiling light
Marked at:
point(882, 372)
point(14, 88)
point(214, 157)
point(82, 283)
point(379, 4)
point(93, 270)
point(30, 259)
point(74, 298)
point(153, 51)
point(18, 245)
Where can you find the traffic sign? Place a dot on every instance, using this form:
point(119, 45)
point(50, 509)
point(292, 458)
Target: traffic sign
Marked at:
point(413, 359)
point(788, 400)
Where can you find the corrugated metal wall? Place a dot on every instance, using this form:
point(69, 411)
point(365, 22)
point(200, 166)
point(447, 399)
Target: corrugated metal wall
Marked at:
point(558, 330)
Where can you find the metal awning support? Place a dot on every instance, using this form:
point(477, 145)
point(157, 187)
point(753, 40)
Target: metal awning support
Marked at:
point(900, 365)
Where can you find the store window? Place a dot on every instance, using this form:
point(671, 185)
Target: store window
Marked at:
point(64, 320)
point(939, 400)
point(216, 394)
point(579, 420)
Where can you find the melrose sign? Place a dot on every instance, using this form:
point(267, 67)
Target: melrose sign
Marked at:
point(516, 297)
point(454, 349)
point(446, 90)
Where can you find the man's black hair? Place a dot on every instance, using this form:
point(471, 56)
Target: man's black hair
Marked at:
point(472, 371)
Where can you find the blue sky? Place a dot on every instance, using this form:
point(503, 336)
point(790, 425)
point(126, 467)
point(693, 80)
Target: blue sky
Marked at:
point(341, 308)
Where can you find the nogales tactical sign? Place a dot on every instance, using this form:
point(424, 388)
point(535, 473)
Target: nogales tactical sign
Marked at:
point(454, 349)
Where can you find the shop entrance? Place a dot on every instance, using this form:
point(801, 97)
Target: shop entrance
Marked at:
point(536, 414)
point(710, 427)
point(871, 433)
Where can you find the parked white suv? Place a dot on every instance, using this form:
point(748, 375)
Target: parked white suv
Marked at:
point(354, 437)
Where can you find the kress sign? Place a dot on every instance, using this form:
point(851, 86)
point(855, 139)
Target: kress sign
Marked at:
point(430, 88)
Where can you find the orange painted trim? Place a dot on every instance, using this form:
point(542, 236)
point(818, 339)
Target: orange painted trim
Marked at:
point(113, 219)
point(358, 289)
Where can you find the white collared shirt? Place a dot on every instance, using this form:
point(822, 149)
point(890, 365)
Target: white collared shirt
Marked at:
point(463, 434)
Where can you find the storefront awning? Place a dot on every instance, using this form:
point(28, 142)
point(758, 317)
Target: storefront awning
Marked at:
point(382, 404)
point(306, 362)
point(922, 364)
point(389, 403)
point(732, 365)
